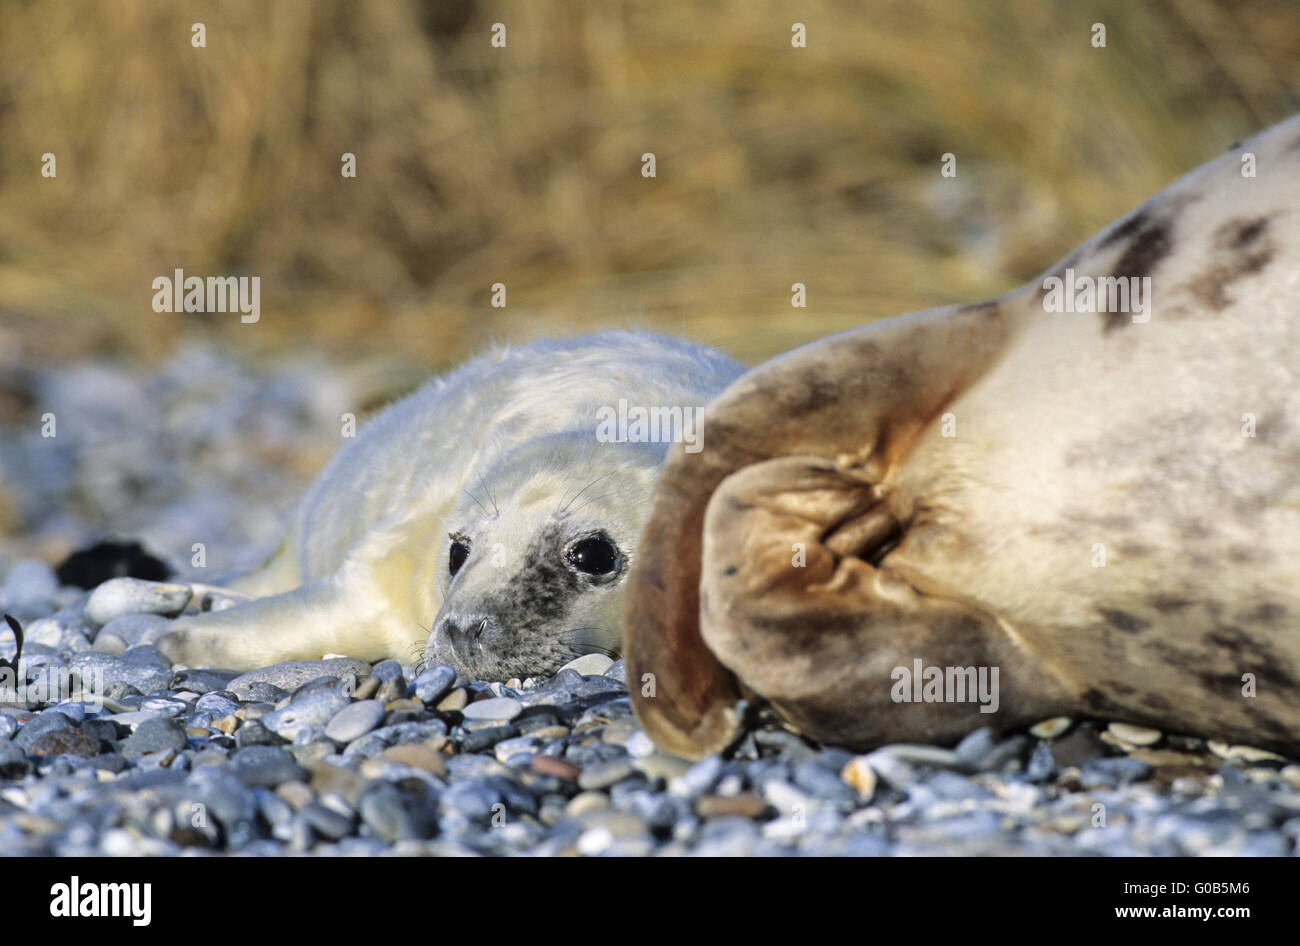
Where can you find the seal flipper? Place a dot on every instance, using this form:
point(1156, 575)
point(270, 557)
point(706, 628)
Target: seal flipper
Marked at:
point(860, 398)
point(831, 640)
point(303, 624)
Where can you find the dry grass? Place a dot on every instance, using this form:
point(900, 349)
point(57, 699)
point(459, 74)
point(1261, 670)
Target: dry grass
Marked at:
point(521, 165)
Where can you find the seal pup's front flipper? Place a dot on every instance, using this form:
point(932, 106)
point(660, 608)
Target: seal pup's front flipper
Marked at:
point(303, 624)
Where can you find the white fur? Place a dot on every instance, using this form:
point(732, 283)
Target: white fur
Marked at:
point(497, 445)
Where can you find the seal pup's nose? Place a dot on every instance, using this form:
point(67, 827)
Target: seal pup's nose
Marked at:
point(464, 631)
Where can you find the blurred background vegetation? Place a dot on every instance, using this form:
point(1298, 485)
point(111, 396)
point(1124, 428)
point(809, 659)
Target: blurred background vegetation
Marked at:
point(522, 165)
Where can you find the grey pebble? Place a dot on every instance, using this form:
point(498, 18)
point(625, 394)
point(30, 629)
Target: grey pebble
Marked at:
point(487, 737)
point(266, 766)
point(392, 681)
point(47, 721)
point(394, 815)
point(824, 784)
point(216, 703)
point(605, 774)
point(13, 760)
point(1107, 773)
point(328, 822)
point(1042, 764)
point(29, 581)
point(355, 720)
point(163, 706)
point(497, 708)
point(699, 779)
point(293, 674)
point(589, 665)
point(433, 684)
point(204, 681)
point(314, 708)
point(135, 629)
point(155, 734)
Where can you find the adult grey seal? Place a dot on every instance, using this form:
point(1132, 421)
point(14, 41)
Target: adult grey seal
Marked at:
point(1088, 485)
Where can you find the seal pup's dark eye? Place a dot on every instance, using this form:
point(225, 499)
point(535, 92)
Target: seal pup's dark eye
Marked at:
point(456, 557)
point(594, 555)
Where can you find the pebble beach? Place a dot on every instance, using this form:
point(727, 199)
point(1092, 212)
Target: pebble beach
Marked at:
point(342, 757)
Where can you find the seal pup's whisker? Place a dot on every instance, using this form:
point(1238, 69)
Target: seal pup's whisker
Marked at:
point(466, 490)
point(578, 644)
point(562, 510)
point(496, 510)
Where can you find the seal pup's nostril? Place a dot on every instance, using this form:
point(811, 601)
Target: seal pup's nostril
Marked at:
point(460, 629)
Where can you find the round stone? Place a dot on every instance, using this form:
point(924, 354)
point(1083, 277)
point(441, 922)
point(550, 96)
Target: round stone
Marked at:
point(315, 708)
point(417, 757)
point(155, 734)
point(65, 742)
point(590, 665)
point(549, 765)
point(1051, 728)
point(292, 674)
point(433, 684)
point(860, 776)
point(497, 708)
point(119, 596)
point(744, 806)
point(1134, 735)
point(355, 720)
point(266, 766)
point(605, 774)
point(660, 765)
point(454, 701)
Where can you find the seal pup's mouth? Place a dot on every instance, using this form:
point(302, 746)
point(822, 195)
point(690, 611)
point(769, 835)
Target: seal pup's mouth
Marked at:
point(478, 647)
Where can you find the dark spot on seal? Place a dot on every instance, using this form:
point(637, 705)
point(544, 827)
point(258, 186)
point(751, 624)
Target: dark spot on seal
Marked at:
point(1267, 613)
point(1217, 682)
point(541, 592)
point(1133, 550)
point(810, 394)
point(737, 505)
point(1241, 233)
point(731, 570)
point(1242, 249)
point(1123, 621)
point(1151, 244)
point(1126, 228)
point(1167, 604)
point(1156, 702)
point(1272, 674)
point(1229, 638)
point(1094, 700)
point(987, 307)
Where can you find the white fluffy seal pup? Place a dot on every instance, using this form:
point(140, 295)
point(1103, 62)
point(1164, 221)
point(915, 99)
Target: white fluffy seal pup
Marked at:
point(487, 521)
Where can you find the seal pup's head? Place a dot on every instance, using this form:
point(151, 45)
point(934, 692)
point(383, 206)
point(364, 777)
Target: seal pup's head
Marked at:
point(532, 569)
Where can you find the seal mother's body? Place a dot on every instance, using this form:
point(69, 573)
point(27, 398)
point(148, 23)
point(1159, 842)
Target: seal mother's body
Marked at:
point(1102, 505)
point(487, 520)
